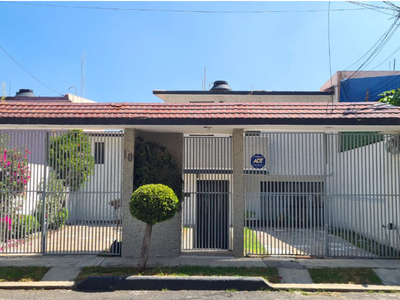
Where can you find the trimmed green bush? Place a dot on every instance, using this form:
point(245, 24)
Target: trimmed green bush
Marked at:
point(154, 203)
point(71, 158)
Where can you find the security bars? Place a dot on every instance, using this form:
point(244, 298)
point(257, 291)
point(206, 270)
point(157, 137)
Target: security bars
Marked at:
point(320, 194)
point(60, 191)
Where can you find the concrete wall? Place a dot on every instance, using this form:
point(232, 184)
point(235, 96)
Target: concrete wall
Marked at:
point(166, 236)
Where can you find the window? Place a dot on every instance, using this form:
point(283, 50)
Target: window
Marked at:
point(99, 153)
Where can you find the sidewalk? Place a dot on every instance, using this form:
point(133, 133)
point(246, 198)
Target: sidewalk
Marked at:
point(65, 268)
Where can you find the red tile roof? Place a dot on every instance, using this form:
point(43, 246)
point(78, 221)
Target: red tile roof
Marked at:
point(197, 113)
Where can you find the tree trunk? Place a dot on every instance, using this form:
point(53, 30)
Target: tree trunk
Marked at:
point(145, 248)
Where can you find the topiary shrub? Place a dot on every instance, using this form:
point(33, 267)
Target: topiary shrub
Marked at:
point(152, 204)
point(154, 164)
point(71, 158)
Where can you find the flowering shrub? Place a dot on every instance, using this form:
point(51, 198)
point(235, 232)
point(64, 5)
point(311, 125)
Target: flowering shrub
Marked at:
point(14, 171)
point(14, 176)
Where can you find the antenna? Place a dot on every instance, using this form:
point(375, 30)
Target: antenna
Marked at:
point(83, 70)
point(394, 65)
point(205, 76)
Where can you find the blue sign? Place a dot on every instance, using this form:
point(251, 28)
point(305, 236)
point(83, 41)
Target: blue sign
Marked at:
point(258, 161)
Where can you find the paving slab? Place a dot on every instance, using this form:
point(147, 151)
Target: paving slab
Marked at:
point(295, 276)
point(50, 260)
point(389, 276)
point(349, 263)
point(282, 263)
point(216, 261)
point(62, 274)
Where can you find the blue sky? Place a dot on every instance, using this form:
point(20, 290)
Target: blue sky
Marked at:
point(131, 53)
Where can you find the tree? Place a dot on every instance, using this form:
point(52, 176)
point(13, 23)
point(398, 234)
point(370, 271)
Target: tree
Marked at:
point(391, 97)
point(71, 158)
point(152, 204)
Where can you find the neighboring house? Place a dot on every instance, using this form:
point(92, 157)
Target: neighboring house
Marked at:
point(363, 86)
point(27, 95)
point(222, 93)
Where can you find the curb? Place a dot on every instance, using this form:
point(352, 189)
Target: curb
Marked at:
point(334, 287)
point(172, 283)
point(45, 285)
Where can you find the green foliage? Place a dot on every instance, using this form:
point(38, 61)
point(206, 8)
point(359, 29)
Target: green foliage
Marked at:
point(154, 203)
point(26, 225)
point(391, 97)
point(71, 158)
point(55, 212)
point(154, 165)
point(14, 169)
point(22, 274)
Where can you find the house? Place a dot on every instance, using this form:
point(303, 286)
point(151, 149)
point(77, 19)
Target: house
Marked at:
point(310, 161)
point(301, 176)
point(362, 86)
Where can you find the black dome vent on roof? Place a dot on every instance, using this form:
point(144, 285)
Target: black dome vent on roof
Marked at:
point(221, 85)
point(25, 93)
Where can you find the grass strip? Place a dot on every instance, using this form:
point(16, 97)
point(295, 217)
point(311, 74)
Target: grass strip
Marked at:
point(251, 242)
point(22, 274)
point(366, 243)
point(270, 274)
point(344, 275)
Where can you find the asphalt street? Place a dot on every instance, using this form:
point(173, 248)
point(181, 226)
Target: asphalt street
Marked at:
point(192, 295)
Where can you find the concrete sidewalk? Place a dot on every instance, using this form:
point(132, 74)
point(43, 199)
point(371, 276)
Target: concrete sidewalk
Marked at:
point(293, 271)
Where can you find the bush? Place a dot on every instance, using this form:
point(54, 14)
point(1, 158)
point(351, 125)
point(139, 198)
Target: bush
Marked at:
point(71, 158)
point(154, 203)
point(26, 224)
point(391, 97)
point(154, 165)
point(55, 211)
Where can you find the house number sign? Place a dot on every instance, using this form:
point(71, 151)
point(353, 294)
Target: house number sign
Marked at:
point(128, 156)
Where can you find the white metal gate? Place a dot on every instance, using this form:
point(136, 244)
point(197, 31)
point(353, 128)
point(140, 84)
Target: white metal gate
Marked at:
point(320, 194)
point(60, 191)
point(207, 207)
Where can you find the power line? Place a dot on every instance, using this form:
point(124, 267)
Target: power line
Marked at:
point(329, 48)
point(382, 41)
point(27, 72)
point(184, 10)
point(372, 7)
point(386, 59)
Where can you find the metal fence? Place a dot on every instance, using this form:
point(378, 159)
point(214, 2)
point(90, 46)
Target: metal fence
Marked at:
point(60, 191)
point(322, 194)
point(207, 207)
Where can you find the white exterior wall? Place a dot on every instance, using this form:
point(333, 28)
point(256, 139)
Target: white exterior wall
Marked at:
point(92, 202)
point(363, 190)
point(289, 158)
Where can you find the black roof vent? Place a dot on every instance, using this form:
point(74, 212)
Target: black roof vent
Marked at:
point(25, 93)
point(221, 85)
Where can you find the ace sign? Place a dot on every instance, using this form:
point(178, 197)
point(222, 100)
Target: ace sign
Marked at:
point(258, 161)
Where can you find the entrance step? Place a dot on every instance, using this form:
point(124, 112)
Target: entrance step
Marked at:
point(207, 253)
